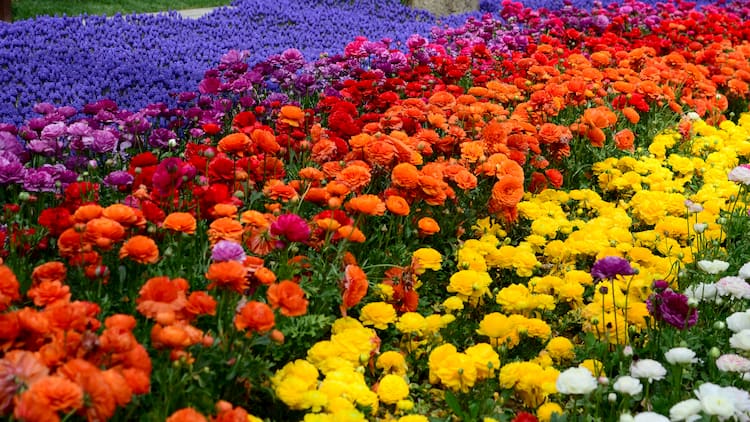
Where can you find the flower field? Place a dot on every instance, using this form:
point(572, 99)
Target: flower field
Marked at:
point(527, 214)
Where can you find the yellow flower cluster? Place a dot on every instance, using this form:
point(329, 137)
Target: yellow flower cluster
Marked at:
point(460, 371)
point(532, 382)
point(507, 330)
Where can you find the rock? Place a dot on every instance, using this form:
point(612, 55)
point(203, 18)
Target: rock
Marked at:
point(444, 7)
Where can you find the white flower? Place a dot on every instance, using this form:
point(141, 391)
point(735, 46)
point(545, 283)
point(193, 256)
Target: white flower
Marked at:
point(628, 385)
point(626, 417)
point(713, 267)
point(650, 417)
point(733, 363)
point(700, 227)
point(701, 291)
point(739, 321)
point(740, 174)
point(714, 401)
point(691, 115)
point(734, 286)
point(576, 381)
point(678, 355)
point(686, 410)
point(740, 340)
point(647, 368)
point(744, 271)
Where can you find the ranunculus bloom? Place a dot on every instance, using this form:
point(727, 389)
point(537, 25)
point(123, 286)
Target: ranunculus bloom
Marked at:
point(140, 249)
point(427, 226)
point(289, 296)
point(180, 222)
point(610, 267)
point(648, 369)
point(292, 227)
point(255, 317)
point(740, 174)
point(227, 250)
point(672, 308)
point(576, 381)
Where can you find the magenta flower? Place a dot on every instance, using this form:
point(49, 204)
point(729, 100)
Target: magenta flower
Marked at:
point(672, 308)
point(610, 267)
point(292, 227)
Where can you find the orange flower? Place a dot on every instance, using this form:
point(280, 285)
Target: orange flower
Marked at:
point(507, 191)
point(599, 117)
point(161, 298)
point(125, 215)
point(255, 317)
point(355, 177)
point(224, 210)
point(289, 296)
point(291, 115)
point(175, 336)
point(355, 287)
point(225, 229)
point(231, 275)
point(118, 385)
point(427, 226)
point(49, 292)
point(255, 220)
point(366, 204)
point(397, 205)
point(311, 174)
point(187, 414)
point(624, 140)
point(100, 402)
point(234, 143)
point(630, 114)
point(71, 243)
point(265, 140)
point(182, 222)
point(200, 303)
point(49, 271)
point(8, 288)
point(56, 393)
point(465, 180)
point(140, 249)
point(277, 190)
point(103, 232)
point(380, 152)
point(350, 233)
point(18, 370)
point(265, 276)
point(87, 212)
point(405, 175)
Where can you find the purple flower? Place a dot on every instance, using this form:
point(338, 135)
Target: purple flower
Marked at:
point(37, 180)
point(291, 226)
point(11, 168)
point(226, 250)
point(118, 178)
point(610, 267)
point(672, 308)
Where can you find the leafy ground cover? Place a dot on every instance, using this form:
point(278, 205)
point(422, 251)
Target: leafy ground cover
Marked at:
point(535, 215)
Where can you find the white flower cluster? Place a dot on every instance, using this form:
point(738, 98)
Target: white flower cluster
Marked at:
point(712, 400)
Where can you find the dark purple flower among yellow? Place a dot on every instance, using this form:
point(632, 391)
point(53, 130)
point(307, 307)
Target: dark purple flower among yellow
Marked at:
point(610, 267)
point(672, 308)
point(291, 227)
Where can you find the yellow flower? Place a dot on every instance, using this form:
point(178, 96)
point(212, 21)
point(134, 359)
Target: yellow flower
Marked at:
point(392, 388)
point(453, 304)
point(500, 329)
point(470, 284)
point(411, 323)
point(355, 344)
point(437, 356)
point(326, 357)
point(471, 259)
point(545, 411)
point(378, 314)
point(560, 349)
point(391, 362)
point(486, 360)
point(594, 366)
point(537, 328)
point(426, 259)
point(385, 291)
point(457, 372)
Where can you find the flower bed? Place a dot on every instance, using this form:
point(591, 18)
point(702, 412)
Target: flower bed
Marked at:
point(534, 217)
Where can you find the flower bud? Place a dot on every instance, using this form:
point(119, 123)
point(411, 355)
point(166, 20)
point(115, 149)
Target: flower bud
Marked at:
point(714, 352)
point(720, 325)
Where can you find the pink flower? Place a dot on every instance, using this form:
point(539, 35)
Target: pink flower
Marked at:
point(292, 227)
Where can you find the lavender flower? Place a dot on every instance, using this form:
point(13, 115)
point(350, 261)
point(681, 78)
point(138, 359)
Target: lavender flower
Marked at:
point(226, 250)
point(610, 267)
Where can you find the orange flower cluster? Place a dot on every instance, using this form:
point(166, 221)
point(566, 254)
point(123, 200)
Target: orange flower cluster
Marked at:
point(54, 361)
point(167, 302)
point(225, 412)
